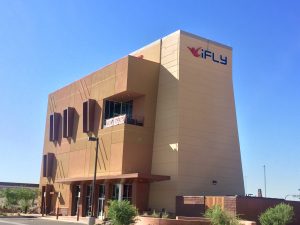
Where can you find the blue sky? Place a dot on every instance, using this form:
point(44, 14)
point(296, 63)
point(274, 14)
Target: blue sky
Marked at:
point(45, 45)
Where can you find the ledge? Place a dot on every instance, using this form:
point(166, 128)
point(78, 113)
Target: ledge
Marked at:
point(147, 177)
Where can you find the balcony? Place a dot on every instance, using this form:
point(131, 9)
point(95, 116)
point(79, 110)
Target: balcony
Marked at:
point(124, 109)
point(124, 119)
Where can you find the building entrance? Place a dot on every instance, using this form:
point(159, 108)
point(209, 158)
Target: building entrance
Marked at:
point(88, 203)
point(76, 197)
point(101, 201)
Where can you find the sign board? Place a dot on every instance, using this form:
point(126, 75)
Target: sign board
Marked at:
point(202, 53)
point(115, 121)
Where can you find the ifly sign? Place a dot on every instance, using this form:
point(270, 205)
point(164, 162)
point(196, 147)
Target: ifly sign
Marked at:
point(207, 54)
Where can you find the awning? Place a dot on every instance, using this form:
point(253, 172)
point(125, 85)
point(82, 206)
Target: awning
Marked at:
point(146, 177)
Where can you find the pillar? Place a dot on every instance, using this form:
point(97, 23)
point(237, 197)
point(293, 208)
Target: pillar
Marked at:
point(121, 189)
point(96, 196)
point(107, 195)
point(82, 200)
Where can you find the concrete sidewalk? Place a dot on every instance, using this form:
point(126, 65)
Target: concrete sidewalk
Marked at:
point(70, 219)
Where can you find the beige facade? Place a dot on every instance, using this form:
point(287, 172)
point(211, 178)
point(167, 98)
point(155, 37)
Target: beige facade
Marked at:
point(182, 130)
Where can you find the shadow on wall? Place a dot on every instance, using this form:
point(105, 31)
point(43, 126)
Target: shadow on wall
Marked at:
point(58, 169)
point(102, 154)
point(58, 142)
point(75, 127)
point(97, 119)
point(61, 200)
point(165, 148)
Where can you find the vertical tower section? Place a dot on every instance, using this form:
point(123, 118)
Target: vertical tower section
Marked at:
point(165, 146)
point(209, 159)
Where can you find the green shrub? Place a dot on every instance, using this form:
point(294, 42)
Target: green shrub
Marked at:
point(19, 197)
point(121, 212)
point(165, 215)
point(155, 214)
point(281, 214)
point(219, 217)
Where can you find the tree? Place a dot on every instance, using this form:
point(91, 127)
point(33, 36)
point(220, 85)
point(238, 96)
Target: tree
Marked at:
point(121, 213)
point(281, 214)
point(10, 196)
point(19, 197)
point(26, 198)
point(219, 217)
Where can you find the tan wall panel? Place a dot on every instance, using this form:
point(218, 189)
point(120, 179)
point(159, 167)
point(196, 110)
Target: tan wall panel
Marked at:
point(62, 165)
point(208, 143)
point(76, 163)
point(150, 52)
point(139, 107)
point(121, 76)
point(116, 159)
point(166, 122)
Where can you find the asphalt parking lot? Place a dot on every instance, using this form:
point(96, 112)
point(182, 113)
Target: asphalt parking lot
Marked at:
point(35, 221)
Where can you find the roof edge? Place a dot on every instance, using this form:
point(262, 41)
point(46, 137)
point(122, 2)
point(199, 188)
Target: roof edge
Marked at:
point(203, 39)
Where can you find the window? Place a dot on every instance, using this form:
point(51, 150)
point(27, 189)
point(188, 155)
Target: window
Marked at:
point(68, 121)
point(101, 191)
point(76, 198)
point(54, 126)
point(48, 161)
point(88, 115)
point(101, 199)
point(88, 203)
point(113, 109)
point(115, 192)
point(127, 192)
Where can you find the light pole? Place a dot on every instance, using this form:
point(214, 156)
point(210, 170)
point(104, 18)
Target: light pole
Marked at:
point(265, 181)
point(96, 139)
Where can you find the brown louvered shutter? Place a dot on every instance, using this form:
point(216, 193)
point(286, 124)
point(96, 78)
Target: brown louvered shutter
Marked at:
point(44, 165)
point(68, 122)
point(51, 128)
point(54, 126)
point(88, 115)
point(50, 161)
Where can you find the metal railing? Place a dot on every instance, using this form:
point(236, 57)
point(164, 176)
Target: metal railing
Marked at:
point(121, 119)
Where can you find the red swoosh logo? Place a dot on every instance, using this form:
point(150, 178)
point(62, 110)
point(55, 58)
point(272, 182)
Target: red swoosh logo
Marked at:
point(195, 51)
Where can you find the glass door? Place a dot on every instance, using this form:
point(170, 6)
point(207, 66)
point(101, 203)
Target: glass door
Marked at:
point(101, 201)
point(88, 203)
point(76, 194)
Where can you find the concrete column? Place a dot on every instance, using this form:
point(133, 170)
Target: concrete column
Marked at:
point(71, 196)
point(96, 196)
point(121, 188)
point(82, 199)
point(107, 194)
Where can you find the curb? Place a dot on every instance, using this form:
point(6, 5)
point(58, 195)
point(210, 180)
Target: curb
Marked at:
point(62, 220)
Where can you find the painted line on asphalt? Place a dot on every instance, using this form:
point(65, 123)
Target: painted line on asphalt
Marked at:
point(15, 223)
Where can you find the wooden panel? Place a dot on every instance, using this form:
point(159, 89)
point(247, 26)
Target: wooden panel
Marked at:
point(210, 201)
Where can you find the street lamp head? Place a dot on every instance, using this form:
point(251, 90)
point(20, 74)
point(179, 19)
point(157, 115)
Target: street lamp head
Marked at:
point(93, 139)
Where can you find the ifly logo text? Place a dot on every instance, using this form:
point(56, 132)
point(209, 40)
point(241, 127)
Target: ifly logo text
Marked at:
point(204, 54)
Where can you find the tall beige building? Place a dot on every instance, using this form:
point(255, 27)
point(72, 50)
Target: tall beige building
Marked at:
point(166, 121)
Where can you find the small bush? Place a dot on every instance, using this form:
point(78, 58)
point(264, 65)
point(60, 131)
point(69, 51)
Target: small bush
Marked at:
point(281, 214)
point(219, 217)
point(121, 212)
point(155, 214)
point(165, 215)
